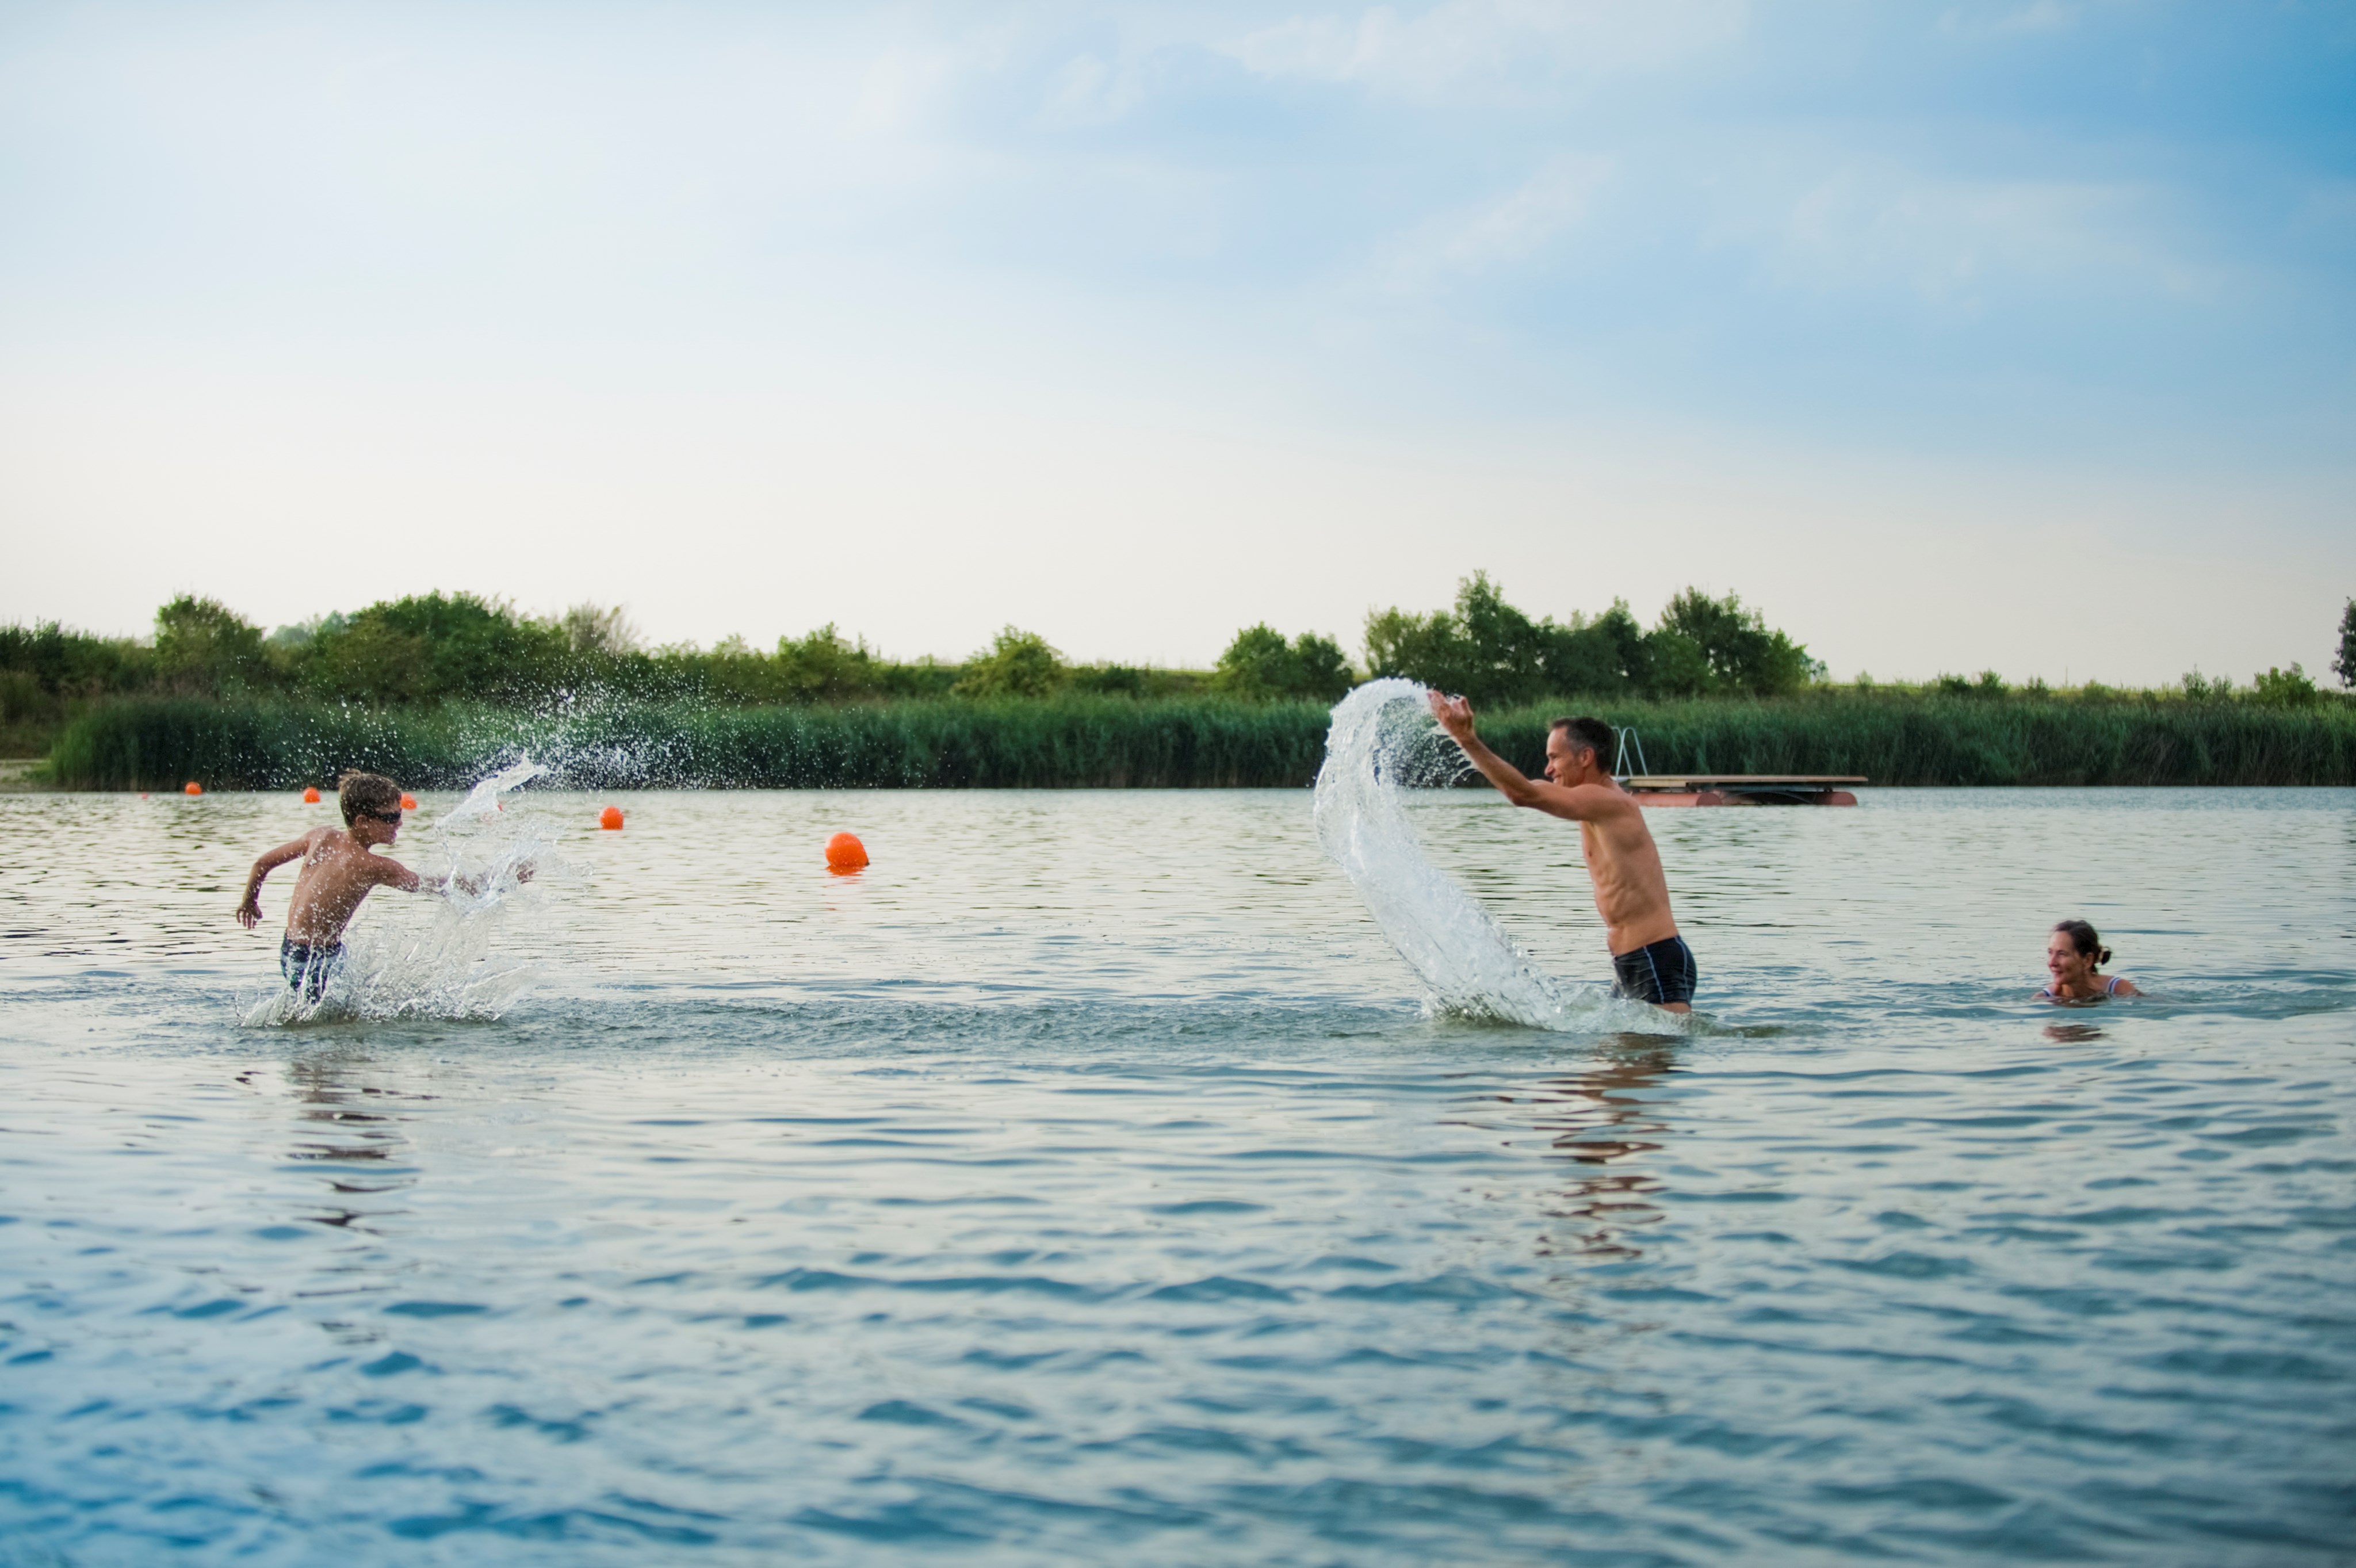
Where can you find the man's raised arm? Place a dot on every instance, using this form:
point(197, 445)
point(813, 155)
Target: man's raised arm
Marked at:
point(1455, 717)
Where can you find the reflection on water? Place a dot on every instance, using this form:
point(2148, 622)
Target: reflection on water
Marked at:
point(1085, 1182)
point(1602, 1122)
point(352, 1128)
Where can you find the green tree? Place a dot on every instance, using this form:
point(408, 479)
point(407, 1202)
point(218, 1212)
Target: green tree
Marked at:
point(1018, 664)
point(1496, 654)
point(2283, 688)
point(2344, 663)
point(1600, 658)
point(1259, 665)
point(823, 667)
point(1743, 654)
point(74, 664)
point(1324, 670)
point(439, 646)
point(594, 628)
point(1987, 684)
point(1485, 648)
point(202, 644)
point(2200, 688)
point(1676, 664)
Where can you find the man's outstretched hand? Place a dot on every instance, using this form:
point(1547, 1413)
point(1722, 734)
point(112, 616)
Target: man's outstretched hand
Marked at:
point(1454, 713)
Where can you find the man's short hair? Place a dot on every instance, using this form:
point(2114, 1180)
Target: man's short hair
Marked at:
point(359, 792)
point(1590, 734)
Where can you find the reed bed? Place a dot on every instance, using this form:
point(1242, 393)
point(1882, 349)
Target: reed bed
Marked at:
point(1071, 742)
point(1928, 740)
point(1099, 742)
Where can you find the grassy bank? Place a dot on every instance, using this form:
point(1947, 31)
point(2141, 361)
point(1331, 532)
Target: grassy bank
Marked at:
point(1111, 742)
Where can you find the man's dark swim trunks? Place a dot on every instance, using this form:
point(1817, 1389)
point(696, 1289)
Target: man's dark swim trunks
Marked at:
point(308, 966)
point(1660, 974)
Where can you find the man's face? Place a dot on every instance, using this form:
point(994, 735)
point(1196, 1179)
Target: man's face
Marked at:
point(1566, 759)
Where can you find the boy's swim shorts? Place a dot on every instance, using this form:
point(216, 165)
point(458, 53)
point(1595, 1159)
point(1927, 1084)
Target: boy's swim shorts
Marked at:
point(308, 966)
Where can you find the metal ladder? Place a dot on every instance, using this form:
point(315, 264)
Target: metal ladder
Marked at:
point(1627, 738)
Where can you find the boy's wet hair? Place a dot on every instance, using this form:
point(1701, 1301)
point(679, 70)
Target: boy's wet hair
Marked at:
point(358, 792)
point(2084, 938)
point(1593, 733)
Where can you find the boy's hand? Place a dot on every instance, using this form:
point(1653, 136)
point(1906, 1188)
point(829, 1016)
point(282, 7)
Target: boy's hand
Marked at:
point(248, 914)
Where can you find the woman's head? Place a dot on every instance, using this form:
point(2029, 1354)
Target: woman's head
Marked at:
point(2075, 948)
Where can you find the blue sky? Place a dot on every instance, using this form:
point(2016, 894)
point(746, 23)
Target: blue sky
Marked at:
point(2015, 335)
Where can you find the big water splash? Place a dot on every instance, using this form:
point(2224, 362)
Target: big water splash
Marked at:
point(437, 962)
point(1384, 741)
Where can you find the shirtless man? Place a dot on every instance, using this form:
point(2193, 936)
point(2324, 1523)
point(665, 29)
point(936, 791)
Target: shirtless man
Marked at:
point(1653, 962)
point(338, 870)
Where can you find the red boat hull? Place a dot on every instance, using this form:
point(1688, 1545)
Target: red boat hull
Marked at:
point(1736, 798)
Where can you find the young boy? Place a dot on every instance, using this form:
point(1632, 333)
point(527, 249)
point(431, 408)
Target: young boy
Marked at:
point(337, 873)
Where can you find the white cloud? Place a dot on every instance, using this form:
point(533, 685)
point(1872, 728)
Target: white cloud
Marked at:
point(1509, 229)
point(1460, 42)
point(1947, 238)
point(1090, 90)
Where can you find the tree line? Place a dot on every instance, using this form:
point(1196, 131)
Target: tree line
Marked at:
point(434, 647)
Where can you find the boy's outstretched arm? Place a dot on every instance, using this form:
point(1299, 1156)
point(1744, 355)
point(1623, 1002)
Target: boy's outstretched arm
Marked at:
point(398, 875)
point(248, 911)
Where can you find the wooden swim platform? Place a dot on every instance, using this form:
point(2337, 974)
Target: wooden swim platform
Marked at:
point(1742, 788)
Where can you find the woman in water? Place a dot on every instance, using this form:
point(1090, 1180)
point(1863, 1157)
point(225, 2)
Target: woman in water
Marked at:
point(2075, 956)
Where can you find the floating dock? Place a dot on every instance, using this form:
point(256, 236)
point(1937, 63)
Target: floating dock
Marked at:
point(1741, 788)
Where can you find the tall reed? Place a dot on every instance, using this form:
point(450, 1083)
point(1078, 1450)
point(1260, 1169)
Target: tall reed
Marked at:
point(1901, 739)
point(1083, 741)
point(1072, 741)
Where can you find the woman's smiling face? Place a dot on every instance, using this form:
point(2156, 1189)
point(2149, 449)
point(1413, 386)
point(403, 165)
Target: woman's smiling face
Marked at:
point(2063, 961)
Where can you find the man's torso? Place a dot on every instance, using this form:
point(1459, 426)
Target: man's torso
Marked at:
point(1630, 892)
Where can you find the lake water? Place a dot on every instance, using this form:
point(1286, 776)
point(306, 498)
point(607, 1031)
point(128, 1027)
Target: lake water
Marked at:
point(1085, 1181)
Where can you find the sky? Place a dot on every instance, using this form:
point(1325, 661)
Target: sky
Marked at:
point(2016, 336)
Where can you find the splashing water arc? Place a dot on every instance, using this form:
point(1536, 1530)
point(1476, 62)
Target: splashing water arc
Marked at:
point(1382, 740)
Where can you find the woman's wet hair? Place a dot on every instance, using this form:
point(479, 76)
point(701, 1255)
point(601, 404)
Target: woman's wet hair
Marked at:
point(358, 792)
point(2086, 939)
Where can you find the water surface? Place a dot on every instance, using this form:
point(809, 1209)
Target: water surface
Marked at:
point(1085, 1181)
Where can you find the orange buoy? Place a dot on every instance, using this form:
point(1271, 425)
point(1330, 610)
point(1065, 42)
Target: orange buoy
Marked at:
point(310, 794)
point(845, 852)
point(193, 787)
point(408, 801)
point(610, 818)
